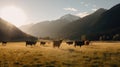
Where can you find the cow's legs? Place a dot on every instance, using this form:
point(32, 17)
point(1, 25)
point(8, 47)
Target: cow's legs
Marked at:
point(26, 45)
point(58, 46)
point(74, 45)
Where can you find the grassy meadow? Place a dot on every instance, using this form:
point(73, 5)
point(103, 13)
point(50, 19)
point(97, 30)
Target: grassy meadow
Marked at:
point(97, 54)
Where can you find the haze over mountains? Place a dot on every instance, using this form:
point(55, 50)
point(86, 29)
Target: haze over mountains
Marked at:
point(49, 28)
point(9, 32)
point(102, 23)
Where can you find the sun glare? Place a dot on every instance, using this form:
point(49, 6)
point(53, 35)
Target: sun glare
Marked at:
point(13, 15)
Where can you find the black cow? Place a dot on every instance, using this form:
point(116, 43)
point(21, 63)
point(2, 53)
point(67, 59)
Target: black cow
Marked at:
point(4, 43)
point(57, 43)
point(30, 43)
point(69, 42)
point(79, 43)
point(42, 43)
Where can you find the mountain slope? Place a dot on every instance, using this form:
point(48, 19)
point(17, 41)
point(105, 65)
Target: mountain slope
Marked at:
point(49, 28)
point(9, 32)
point(110, 19)
point(82, 26)
point(102, 23)
point(108, 26)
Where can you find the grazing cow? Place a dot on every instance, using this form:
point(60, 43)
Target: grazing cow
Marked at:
point(87, 42)
point(69, 42)
point(42, 43)
point(4, 43)
point(57, 43)
point(30, 43)
point(79, 43)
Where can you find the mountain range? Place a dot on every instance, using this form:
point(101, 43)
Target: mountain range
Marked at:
point(48, 28)
point(103, 24)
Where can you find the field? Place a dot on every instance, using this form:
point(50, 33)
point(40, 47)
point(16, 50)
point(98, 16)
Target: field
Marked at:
point(97, 54)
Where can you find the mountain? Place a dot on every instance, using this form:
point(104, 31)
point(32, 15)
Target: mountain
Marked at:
point(9, 32)
point(110, 19)
point(25, 27)
point(82, 26)
point(108, 26)
point(49, 28)
point(70, 17)
point(102, 24)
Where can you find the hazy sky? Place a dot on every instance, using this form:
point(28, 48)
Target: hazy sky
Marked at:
point(40, 10)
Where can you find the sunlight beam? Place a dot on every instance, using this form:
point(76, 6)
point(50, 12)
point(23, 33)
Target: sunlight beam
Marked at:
point(13, 15)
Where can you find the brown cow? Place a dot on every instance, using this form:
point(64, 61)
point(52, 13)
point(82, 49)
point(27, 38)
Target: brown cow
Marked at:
point(57, 43)
point(87, 42)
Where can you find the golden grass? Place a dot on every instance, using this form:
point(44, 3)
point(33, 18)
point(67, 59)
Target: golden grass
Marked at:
point(98, 54)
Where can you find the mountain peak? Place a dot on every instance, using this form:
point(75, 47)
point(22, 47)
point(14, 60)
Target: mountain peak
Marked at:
point(100, 10)
point(70, 17)
point(67, 15)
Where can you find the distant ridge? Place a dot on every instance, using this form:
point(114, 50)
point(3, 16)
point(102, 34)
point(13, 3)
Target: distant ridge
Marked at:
point(49, 28)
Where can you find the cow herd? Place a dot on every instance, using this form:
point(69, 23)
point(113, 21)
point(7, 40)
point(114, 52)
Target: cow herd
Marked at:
point(56, 43)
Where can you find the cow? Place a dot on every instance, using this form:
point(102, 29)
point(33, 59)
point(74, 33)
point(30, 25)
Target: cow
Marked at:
point(69, 42)
point(42, 43)
point(87, 42)
point(57, 43)
point(4, 43)
point(79, 43)
point(30, 43)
